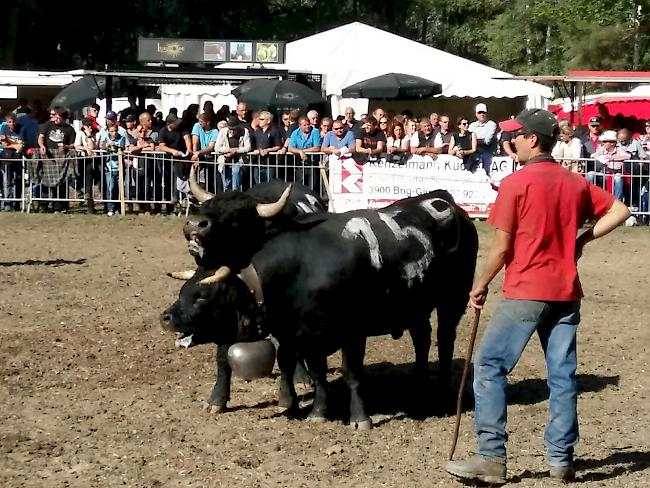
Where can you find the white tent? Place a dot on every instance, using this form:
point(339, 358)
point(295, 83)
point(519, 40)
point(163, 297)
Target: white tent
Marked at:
point(339, 55)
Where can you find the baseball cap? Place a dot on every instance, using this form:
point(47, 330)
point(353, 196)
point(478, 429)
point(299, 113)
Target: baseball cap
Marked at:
point(233, 122)
point(129, 118)
point(111, 115)
point(87, 122)
point(481, 107)
point(172, 119)
point(608, 136)
point(595, 121)
point(533, 120)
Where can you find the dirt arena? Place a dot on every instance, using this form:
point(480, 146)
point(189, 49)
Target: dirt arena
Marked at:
point(93, 393)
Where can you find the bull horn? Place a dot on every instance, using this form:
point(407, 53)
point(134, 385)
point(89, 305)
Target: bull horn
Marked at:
point(199, 193)
point(218, 276)
point(182, 275)
point(267, 210)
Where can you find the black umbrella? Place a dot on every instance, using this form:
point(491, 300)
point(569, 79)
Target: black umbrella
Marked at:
point(80, 93)
point(277, 95)
point(393, 86)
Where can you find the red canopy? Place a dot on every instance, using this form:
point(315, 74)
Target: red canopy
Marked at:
point(608, 106)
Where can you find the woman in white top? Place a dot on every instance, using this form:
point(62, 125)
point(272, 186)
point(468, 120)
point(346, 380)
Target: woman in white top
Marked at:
point(411, 127)
point(397, 141)
point(567, 150)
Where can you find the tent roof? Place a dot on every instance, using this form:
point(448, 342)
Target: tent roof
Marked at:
point(337, 54)
point(37, 78)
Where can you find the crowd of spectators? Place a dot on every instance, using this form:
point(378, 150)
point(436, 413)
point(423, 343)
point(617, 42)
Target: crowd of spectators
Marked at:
point(251, 147)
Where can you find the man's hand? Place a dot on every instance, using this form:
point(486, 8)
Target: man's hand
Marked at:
point(477, 296)
point(303, 155)
point(195, 156)
point(231, 152)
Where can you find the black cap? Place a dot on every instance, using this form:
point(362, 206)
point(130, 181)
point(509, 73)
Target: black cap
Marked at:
point(87, 122)
point(233, 122)
point(534, 121)
point(595, 121)
point(172, 119)
point(129, 118)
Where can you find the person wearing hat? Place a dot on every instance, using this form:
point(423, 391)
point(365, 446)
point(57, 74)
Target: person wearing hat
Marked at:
point(486, 132)
point(537, 215)
point(111, 120)
point(608, 158)
point(233, 142)
point(591, 141)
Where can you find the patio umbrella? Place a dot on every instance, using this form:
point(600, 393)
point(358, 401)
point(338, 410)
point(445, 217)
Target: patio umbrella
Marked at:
point(80, 93)
point(276, 95)
point(393, 86)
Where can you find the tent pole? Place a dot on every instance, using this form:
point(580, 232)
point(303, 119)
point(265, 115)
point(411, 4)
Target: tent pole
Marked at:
point(109, 93)
point(580, 96)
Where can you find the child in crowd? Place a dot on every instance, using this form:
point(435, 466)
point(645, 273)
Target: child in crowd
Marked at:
point(112, 143)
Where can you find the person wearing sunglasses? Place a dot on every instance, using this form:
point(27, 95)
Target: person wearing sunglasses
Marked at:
point(538, 212)
point(339, 140)
point(463, 144)
point(486, 131)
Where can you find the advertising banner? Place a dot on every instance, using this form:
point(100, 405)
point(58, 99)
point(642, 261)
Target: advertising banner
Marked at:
point(380, 183)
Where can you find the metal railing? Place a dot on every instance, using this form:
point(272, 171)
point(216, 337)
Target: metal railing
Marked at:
point(122, 181)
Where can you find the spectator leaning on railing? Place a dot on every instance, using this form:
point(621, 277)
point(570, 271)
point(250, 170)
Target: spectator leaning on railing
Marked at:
point(567, 150)
point(303, 141)
point(609, 160)
point(267, 139)
point(233, 142)
point(175, 140)
point(12, 140)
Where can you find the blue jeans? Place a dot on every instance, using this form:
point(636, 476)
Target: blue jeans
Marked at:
point(12, 183)
point(111, 190)
point(485, 156)
point(264, 173)
point(617, 187)
point(231, 177)
point(505, 338)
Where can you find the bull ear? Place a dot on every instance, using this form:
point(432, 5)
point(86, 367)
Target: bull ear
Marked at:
point(199, 193)
point(267, 210)
point(218, 276)
point(182, 275)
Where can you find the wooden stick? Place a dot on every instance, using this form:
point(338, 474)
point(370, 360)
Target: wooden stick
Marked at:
point(323, 175)
point(120, 169)
point(468, 360)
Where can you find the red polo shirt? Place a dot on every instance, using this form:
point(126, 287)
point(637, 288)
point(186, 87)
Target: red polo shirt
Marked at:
point(543, 206)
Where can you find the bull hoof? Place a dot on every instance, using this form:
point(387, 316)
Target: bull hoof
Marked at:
point(210, 408)
point(316, 418)
point(361, 424)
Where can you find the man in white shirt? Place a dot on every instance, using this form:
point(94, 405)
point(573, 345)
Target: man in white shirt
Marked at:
point(486, 131)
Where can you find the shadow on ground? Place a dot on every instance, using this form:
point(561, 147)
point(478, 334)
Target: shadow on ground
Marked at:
point(393, 389)
point(38, 262)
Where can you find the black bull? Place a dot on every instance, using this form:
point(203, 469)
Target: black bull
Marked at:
point(333, 283)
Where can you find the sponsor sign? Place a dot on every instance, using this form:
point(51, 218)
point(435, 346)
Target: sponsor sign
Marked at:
point(380, 183)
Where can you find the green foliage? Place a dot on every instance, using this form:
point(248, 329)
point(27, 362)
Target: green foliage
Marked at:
point(518, 36)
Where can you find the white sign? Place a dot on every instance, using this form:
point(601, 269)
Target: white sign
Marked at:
point(380, 183)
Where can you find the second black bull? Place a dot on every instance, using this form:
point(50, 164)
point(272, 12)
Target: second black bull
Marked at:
point(329, 283)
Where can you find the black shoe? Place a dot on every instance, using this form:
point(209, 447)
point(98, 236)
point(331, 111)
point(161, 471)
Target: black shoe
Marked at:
point(564, 473)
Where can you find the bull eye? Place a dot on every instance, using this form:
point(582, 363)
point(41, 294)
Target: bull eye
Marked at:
point(204, 223)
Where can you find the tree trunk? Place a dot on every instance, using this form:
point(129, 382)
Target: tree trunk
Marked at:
point(8, 46)
point(547, 48)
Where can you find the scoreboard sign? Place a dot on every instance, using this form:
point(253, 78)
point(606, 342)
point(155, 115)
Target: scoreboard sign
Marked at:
point(210, 51)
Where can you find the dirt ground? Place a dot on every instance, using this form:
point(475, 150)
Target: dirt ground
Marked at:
point(93, 393)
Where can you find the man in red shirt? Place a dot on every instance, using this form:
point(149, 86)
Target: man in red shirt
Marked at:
point(537, 216)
